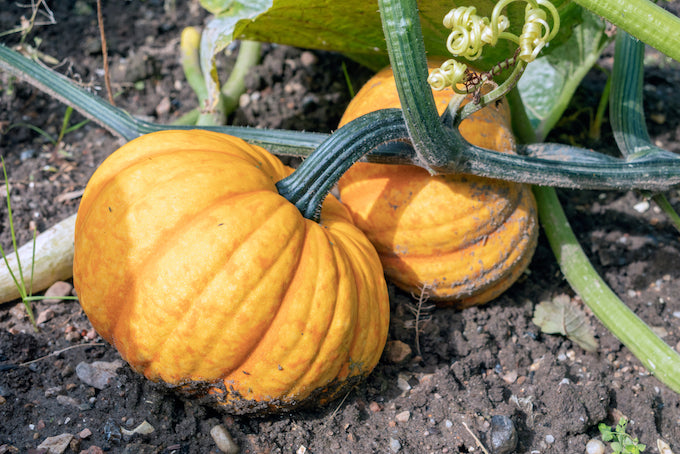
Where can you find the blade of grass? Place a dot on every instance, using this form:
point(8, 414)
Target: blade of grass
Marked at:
point(19, 282)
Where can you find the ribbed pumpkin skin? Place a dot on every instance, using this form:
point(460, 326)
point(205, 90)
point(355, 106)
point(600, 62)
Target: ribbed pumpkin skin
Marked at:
point(202, 276)
point(466, 239)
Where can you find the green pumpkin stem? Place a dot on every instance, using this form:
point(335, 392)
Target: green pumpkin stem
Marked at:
point(308, 186)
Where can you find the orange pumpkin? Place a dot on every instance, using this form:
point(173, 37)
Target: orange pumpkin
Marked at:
point(463, 239)
point(193, 266)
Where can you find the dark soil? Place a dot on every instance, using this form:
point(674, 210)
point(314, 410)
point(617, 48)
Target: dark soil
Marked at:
point(474, 364)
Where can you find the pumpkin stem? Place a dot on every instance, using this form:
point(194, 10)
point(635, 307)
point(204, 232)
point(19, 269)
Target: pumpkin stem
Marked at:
point(381, 131)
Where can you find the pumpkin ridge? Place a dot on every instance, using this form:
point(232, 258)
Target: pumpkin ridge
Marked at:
point(287, 294)
point(318, 373)
point(493, 221)
point(166, 246)
point(359, 345)
point(261, 281)
point(301, 385)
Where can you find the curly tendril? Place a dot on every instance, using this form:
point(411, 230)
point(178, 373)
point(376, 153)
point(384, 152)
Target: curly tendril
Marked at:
point(449, 74)
point(471, 32)
point(536, 32)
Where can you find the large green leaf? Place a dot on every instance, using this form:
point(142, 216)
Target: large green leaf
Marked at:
point(549, 82)
point(350, 27)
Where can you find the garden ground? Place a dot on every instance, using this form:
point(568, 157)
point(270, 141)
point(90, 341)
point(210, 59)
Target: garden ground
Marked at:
point(473, 364)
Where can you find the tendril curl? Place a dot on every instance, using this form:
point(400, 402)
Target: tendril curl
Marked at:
point(471, 32)
point(449, 74)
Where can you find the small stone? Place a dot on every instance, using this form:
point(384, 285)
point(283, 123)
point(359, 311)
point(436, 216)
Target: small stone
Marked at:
point(641, 207)
point(112, 432)
point(293, 87)
point(43, 316)
point(243, 100)
point(98, 374)
point(549, 439)
point(502, 435)
point(223, 440)
point(56, 291)
point(403, 416)
point(93, 450)
point(374, 406)
point(53, 391)
point(595, 446)
point(307, 58)
point(301, 450)
point(163, 107)
point(68, 401)
point(397, 351)
point(72, 336)
point(510, 377)
point(74, 444)
point(85, 433)
point(18, 311)
point(57, 444)
point(402, 383)
point(395, 445)
point(143, 429)
point(663, 447)
point(27, 154)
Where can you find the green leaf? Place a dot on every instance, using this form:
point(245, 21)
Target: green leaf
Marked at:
point(350, 27)
point(549, 82)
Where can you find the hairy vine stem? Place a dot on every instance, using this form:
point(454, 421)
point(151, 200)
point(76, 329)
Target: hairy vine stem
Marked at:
point(443, 150)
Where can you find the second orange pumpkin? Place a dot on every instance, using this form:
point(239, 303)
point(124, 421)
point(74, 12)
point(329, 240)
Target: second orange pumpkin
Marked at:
point(461, 238)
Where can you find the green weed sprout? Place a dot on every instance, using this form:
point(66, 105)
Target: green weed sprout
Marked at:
point(621, 442)
point(65, 128)
point(26, 292)
point(55, 261)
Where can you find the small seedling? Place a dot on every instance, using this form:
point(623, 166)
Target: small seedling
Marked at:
point(25, 288)
point(621, 442)
point(421, 314)
point(65, 129)
point(18, 280)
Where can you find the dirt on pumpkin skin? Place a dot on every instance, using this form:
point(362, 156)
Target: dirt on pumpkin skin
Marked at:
point(473, 364)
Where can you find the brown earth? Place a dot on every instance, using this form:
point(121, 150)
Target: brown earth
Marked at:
point(474, 364)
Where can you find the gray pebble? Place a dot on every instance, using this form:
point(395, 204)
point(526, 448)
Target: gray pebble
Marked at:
point(503, 435)
point(68, 401)
point(98, 374)
point(395, 445)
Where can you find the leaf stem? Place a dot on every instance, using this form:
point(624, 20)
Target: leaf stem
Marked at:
point(235, 86)
point(643, 19)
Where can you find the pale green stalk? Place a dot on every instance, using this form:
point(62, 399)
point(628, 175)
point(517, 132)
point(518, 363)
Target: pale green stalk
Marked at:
point(643, 19)
point(235, 86)
point(654, 354)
